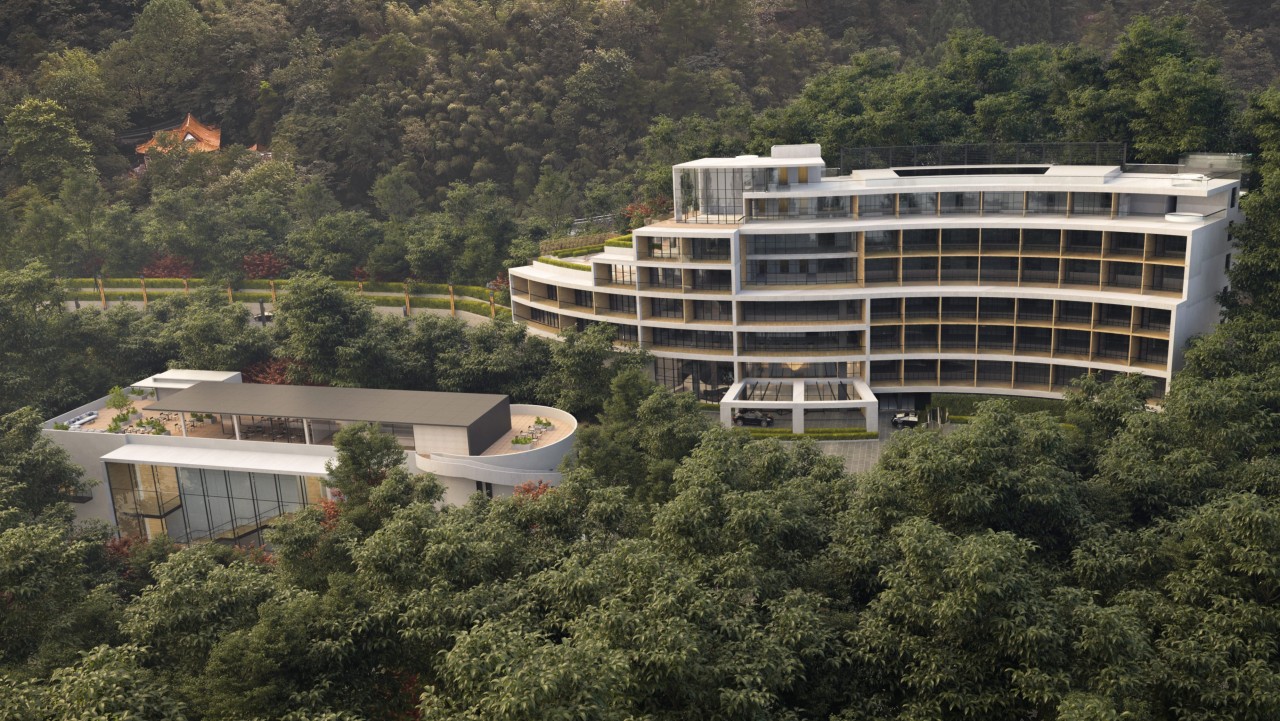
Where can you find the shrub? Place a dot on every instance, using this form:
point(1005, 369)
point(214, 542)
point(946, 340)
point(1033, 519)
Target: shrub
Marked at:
point(818, 434)
point(262, 265)
point(582, 250)
point(168, 266)
point(622, 241)
point(169, 283)
point(966, 404)
point(573, 241)
point(563, 263)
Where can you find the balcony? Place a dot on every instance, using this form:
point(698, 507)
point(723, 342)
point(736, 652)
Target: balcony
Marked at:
point(799, 244)
point(794, 344)
point(843, 278)
point(995, 276)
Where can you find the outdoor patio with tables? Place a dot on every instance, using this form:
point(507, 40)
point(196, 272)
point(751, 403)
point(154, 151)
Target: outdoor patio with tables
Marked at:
point(527, 426)
point(212, 425)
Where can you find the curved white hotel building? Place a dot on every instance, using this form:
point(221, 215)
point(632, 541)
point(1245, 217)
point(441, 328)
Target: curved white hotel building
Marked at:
point(785, 286)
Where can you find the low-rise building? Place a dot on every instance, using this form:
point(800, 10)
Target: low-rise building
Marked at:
point(202, 456)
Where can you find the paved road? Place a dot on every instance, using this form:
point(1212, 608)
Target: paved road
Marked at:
point(858, 456)
point(470, 318)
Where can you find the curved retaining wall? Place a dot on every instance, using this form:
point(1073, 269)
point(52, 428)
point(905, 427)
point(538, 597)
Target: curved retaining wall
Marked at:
point(510, 469)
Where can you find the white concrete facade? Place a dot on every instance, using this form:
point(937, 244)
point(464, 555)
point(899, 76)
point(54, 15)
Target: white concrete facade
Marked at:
point(779, 286)
point(145, 484)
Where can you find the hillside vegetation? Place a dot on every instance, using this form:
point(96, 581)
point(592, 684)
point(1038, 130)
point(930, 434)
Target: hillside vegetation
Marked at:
point(1107, 564)
point(441, 141)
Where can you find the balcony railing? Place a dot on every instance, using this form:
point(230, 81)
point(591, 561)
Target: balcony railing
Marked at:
point(802, 278)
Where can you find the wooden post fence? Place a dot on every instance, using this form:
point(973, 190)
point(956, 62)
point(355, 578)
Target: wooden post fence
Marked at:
point(453, 308)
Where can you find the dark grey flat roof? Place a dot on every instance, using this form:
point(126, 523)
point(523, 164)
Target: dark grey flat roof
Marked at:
point(424, 408)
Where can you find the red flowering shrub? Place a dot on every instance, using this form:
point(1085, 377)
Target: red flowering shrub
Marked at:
point(168, 266)
point(263, 265)
point(531, 490)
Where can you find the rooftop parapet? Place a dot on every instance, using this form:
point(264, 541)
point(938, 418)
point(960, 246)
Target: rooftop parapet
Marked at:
point(994, 154)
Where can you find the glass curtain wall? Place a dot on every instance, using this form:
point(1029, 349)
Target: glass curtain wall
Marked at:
point(710, 195)
point(201, 504)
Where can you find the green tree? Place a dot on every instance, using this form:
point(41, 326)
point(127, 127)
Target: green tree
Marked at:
point(337, 244)
point(583, 366)
point(109, 682)
point(43, 143)
point(201, 594)
point(157, 67)
point(395, 195)
point(207, 332)
point(73, 79)
point(317, 326)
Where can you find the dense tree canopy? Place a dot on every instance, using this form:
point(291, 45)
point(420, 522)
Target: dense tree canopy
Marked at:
point(438, 140)
point(1115, 563)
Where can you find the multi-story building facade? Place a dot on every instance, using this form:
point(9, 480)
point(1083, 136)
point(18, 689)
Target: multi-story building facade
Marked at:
point(785, 286)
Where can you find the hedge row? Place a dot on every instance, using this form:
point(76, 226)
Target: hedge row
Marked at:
point(622, 241)
point(818, 434)
point(546, 260)
point(582, 250)
point(371, 286)
point(443, 304)
point(551, 245)
point(133, 282)
point(966, 404)
point(470, 306)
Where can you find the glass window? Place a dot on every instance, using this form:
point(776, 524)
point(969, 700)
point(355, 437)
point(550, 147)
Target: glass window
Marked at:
point(1002, 203)
point(875, 205)
point(1042, 202)
point(667, 307)
point(959, 203)
point(918, 204)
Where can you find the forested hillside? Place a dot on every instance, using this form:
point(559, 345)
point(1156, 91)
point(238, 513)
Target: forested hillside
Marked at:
point(1113, 564)
point(438, 140)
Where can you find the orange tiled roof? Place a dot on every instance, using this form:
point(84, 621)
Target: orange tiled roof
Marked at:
point(191, 132)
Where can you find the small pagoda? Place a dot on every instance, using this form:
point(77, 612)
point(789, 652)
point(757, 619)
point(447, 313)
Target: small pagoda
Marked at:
point(193, 134)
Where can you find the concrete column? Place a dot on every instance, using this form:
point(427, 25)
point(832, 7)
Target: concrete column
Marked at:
point(873, 417)
point(182, 418)
point(306, 431)
point(797, 406)
point(235, 423)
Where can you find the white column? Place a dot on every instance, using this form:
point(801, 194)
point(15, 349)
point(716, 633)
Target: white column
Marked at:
point(182, 418)
point(235, 423)
point(797, 407)
point(306, 430)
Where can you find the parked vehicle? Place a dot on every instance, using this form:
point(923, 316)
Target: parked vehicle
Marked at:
point(752, 418)
point(906, 419)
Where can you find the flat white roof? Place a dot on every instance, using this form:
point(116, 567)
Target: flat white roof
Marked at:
point(751, 161)
point(294, 463)
point(183, 378)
